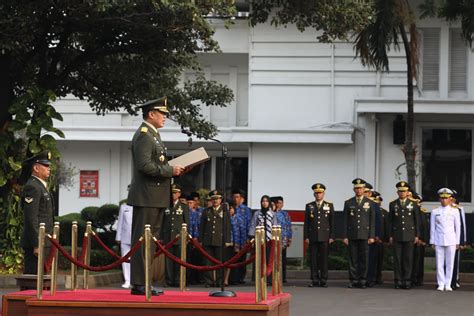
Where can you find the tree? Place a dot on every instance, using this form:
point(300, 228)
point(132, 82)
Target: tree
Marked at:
point(391, 21)
point(115, 54)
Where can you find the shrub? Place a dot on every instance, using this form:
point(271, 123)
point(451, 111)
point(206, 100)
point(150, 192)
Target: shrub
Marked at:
point(65, 223)
point(89, 214)
point(106, 216)
point(98, 258)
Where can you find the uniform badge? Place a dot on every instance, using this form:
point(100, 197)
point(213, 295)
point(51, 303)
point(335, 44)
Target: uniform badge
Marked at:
point(312, 214)
point(28, 200)
point(179, 211)
point(144, 129)
point(410, 206)
point(162, 158)
point(221, 214)
point(366, 205)
point(326, 207)
point(396, 214)
point(167, 212)
point(352, 213)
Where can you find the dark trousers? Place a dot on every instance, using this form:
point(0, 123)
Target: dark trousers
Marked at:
point(195, 257)
point(213, 278)
point(403, 261)
point(172, 268)
point(237, 275)
point(455, 279)
point(30, 260)
point(283, 264)
point(373, 263)
point(418, 265)
point(380, 257)
point(319, 252)
point(358, 257)
point(142, 216)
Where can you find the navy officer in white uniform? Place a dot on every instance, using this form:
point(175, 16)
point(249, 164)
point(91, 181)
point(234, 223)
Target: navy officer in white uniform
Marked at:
point(444, 237)
point(124, 238)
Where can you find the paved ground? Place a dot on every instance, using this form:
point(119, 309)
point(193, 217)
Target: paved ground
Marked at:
point(380, 301)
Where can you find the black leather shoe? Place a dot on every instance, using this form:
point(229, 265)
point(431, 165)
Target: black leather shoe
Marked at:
point(363, 286)
point(140, 290)
point(397, 286)
point(323, 284)
point(351, 285)
point(311, 285)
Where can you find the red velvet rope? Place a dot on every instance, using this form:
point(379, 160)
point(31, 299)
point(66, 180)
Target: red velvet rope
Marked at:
point(49, 261)
point(85, 242)
point(167, 246)
point(243, 263)
point(97, 269)
point(199, 268)
point(107, 249)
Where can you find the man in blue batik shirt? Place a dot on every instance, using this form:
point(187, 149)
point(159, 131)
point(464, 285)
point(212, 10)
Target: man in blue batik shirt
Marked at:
point(240, 231)
point(195, 257)
point(284, 220)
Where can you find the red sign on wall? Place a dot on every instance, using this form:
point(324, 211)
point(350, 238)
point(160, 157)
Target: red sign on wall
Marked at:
point(89, 183)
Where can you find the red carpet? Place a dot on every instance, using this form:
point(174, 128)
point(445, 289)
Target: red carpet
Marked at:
point(169, 297)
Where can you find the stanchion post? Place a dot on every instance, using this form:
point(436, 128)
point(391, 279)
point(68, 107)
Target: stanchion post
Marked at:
point(182, 270)
point(275, 260)
point(39, 277)
point(279, 262)
point(264, 264)
point(148, 262)
point(258, 264)
point(54, 264)
point(87, 258)
point(74, 255)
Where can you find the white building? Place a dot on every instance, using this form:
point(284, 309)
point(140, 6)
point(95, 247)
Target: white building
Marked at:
point(304, 112)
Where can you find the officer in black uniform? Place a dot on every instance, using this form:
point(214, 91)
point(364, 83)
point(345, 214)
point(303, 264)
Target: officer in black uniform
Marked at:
point(174, 217)
point(319, 234)
point(358, 232)
point(215, 224)
point(383, 238)
point(404, 232)
point(373, 248)
point(423, 240)
point(37, 205)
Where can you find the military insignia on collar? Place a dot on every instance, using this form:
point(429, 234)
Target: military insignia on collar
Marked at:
point(162, 158)
point(28, 200)
point(144, 129)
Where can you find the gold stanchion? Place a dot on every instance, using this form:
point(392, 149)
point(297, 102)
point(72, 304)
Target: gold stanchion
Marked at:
point(87, 259)
point(182, 270)
point(54, 264)
point(74, 255)
point(275, 282)
point(39, 277)
point(258, 264)
point(148, 262)
point(264, 264)
point(279, 262)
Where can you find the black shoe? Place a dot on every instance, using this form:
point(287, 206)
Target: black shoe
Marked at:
point(311, 285)
point(351, 285)
point(397, 286)
point(140, 290)
point(370, 284)
point(363, 286)
point(242, 282)
point(323, 284)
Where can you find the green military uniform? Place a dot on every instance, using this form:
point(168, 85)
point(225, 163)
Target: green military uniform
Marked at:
point(215, 224)
point(358, 227)
point(174, 217)
point(37, 205)
point(404, 219)
point(150, 189)
point(319, 228)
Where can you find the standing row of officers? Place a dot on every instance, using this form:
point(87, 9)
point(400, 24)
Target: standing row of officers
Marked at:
point(368, 227)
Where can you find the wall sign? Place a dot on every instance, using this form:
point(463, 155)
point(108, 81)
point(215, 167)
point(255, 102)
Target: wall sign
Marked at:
point(89, 183)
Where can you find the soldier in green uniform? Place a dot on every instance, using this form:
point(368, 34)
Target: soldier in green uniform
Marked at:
point(150, 190)
point(174, 217)
point(37, 205)
point(404, 232)
point(215, 224)
point(319, 234)
point(358, 233)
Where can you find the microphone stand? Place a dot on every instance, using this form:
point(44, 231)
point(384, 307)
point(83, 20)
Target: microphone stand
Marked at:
point(223, 292)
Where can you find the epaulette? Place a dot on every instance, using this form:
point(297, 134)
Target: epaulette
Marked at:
point(456, 206)
point(144, 129)
point(309, 203)
point(412, 199)
point(328, 202)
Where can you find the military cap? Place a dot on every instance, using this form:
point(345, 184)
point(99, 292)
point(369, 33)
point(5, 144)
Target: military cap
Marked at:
point(368, 186)
point(358, 183)
point(43, 158)
point(214, 194)
point(194, 195)
point(377, 196)
point(445, 193)
point(318, 187)
point(402, 186)
point(416, 196)
point(156, 104)
point(175, 188)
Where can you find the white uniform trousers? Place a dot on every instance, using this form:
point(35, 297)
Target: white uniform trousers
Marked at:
point(124, 249)
point(444, 264)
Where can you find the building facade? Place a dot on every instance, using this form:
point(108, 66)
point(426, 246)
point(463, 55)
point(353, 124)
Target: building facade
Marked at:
point(304, 112)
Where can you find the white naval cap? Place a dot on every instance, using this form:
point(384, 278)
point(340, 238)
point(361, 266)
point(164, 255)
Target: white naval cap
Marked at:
point(445, 192)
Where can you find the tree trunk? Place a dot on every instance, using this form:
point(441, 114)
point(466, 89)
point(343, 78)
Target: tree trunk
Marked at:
point(409, 149)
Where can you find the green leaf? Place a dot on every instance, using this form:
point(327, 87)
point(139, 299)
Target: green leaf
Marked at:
point(13, 164)
point(33, 147)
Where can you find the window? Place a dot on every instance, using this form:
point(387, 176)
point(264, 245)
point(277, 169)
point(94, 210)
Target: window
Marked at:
point(447, 162)
point(237, 174)
point(430, 59)
point(198, 178)
point(457, 62)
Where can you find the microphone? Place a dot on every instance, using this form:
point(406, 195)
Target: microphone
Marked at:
point(189, 134)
